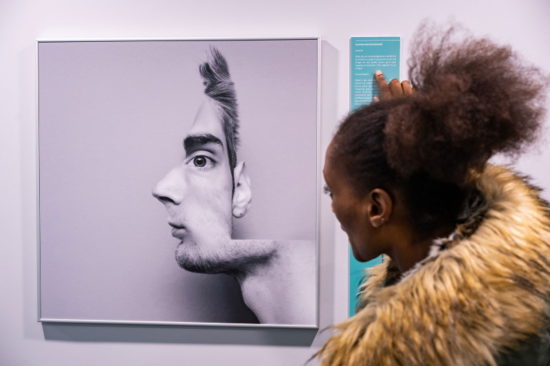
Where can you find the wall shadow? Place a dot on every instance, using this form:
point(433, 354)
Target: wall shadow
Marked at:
point(329, 118)
point(129, 333)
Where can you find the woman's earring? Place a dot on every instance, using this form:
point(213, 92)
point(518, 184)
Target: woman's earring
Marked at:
point(379, 222)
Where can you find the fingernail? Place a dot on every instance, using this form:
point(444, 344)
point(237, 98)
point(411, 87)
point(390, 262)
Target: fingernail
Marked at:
point(378, 73)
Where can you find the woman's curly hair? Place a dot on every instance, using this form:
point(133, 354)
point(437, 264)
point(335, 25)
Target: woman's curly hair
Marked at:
point(473, 99)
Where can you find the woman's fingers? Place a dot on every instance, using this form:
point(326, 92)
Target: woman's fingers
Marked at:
point(383, 88)
point(394, 89)
point(407, 88)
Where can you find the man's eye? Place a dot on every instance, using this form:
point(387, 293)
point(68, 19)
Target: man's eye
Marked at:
point(201, 161)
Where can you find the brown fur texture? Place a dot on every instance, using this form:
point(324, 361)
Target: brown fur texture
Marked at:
point(473, 303)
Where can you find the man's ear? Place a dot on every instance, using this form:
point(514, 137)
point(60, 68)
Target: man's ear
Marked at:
point(242, 196)
point(380, 206)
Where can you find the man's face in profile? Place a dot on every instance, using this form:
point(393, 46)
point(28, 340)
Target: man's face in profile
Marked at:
point(197, 194)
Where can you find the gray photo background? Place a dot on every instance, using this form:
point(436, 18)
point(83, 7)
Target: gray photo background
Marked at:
point(111, 119)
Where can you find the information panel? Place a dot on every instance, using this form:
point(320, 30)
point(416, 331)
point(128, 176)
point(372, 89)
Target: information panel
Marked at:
point(368, 54)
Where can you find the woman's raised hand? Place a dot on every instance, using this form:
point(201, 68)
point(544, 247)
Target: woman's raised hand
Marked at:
point(394, 89)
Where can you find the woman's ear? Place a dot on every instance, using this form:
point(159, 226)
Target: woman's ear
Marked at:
point(380, 206)
point(242, 195)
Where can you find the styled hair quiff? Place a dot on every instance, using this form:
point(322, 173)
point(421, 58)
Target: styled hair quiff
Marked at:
point(219, 86)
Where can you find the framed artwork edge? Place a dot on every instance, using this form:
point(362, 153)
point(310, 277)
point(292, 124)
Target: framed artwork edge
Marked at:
point(48, 320)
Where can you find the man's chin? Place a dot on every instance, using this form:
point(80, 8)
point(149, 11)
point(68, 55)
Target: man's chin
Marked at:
point(231, 256)
point(190, 258)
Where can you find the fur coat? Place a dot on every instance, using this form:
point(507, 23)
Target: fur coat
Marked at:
point(483, 299)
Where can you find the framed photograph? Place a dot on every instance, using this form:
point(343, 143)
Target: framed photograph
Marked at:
point(179, 181)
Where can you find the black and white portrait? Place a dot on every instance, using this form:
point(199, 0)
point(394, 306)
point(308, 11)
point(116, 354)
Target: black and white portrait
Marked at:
point(178, 181)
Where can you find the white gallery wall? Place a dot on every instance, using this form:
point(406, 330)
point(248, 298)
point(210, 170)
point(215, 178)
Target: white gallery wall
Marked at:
point(24, 341)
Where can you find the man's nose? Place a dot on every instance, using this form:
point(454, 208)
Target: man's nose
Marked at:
point(170, 189)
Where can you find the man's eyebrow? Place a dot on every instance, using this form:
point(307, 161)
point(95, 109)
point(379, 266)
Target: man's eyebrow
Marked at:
point(194, 142)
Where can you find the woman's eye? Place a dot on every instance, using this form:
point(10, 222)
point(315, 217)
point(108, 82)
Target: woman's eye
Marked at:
point(327, 191)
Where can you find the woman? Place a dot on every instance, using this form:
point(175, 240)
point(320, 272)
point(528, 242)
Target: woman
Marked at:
point(466, 275)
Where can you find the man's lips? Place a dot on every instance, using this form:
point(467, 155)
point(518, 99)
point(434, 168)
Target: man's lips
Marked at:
point(178, 230)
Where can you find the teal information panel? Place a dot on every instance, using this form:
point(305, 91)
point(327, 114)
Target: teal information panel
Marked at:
point(368, 54)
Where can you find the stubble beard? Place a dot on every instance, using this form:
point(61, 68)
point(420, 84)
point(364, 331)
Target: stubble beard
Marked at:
point(229, 257)
point(190, 256)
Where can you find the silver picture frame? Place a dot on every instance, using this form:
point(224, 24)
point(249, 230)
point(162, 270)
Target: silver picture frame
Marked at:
point(109, 115)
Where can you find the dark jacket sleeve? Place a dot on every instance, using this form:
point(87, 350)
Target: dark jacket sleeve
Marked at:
point(535, 352)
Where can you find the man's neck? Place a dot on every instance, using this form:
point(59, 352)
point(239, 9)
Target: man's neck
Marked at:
point(282, 289)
